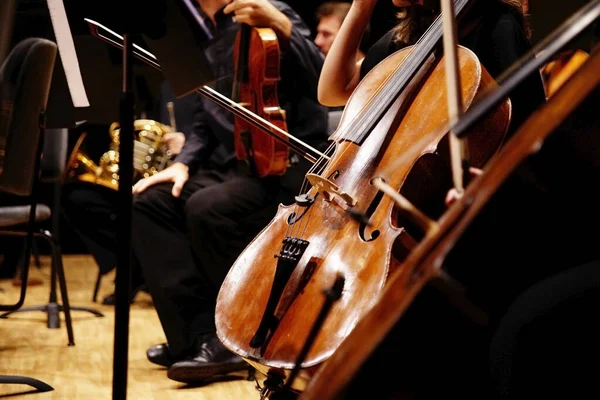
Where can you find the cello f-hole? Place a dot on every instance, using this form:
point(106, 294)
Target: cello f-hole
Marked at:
point(364, 235)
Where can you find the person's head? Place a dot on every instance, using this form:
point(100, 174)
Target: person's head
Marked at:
point(417, 15)
point(330, 16)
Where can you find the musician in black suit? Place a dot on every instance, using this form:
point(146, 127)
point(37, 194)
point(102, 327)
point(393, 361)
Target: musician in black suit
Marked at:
point(192, 220)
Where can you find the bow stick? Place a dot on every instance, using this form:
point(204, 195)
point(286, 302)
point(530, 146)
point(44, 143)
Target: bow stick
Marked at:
point(308, 152)
point(459, 152)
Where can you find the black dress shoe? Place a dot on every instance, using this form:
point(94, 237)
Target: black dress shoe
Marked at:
point(212, 360)
point(110, 300)
point(160, 355)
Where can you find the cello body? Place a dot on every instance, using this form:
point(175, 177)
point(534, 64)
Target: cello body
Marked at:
point(322, 240)
point(257, 64)
point(428, 259)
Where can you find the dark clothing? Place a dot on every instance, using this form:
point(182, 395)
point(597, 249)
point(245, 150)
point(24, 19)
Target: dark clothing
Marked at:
point(182, 107)
point(92, 209)
point(544, 338)
point(546, 346)
point(498, 41)
point(186, 245)
point(301, 61)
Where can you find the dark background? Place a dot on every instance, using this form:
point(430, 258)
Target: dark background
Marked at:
point(101, 65)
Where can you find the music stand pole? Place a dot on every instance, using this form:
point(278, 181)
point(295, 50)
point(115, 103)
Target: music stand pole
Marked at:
point(122, 285)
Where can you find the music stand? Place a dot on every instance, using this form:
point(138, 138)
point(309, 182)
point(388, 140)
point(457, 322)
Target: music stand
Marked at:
point(61, 113)
point(177, 39)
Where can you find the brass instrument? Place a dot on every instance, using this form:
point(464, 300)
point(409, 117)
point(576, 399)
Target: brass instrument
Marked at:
point(150, 155)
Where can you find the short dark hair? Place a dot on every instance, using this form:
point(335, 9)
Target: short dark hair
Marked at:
point(338, 8)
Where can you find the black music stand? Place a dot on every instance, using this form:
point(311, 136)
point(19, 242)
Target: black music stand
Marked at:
point(176, 36)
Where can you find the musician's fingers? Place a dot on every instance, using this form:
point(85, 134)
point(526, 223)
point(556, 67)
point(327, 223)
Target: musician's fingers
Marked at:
point(234, 6)
point(243, 18)
point(140, 186)
point(145, 183)
point(178, 185)
point(475, 171)
point(451, 197)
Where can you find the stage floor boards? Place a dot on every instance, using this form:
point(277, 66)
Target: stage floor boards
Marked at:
point(84, 371)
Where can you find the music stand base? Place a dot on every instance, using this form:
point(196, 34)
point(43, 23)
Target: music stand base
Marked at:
point(53, 310)
point(57, 274)
point(25, 380)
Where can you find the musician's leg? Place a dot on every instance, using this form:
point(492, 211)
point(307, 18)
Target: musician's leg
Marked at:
point(547, 343)
point(91, 212)
point(161, 245)
point(224, 218)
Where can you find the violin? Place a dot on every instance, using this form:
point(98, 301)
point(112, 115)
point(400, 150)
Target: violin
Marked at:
point(237, 109)
point(273, 291)
point(257, 62)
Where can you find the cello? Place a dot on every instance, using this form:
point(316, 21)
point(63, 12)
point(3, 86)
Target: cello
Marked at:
point(425, 262)
point(256, 60)
point(274, 287)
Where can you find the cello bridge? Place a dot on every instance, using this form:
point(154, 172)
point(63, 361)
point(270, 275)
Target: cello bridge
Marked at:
point(329, 190)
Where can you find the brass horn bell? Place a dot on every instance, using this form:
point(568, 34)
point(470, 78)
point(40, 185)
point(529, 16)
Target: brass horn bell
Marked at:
point(150, 156)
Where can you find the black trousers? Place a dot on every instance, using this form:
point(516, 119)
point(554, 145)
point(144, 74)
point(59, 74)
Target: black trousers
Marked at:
point(91, 210)
point(186, 245)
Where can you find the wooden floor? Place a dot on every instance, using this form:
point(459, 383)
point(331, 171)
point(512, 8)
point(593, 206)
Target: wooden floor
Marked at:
point(84, 371)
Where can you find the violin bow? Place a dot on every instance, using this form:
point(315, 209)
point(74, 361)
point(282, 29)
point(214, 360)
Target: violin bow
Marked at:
point(308, 152)
point(459, 151)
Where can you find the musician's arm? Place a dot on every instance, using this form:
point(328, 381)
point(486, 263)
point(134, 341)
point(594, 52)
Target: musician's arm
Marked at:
point(199, 142)
point(341, 73)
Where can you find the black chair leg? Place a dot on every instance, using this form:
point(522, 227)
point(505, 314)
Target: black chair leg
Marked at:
point(36, 254)
point(53, 308)
point(24, 380)
point(97, 286)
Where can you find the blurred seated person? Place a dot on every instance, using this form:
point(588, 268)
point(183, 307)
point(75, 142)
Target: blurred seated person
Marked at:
point(208, 206)
point(330, 16)
point(91, 209)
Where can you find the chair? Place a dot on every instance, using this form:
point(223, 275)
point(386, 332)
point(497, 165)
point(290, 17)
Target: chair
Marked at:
point(25, 79)
point(52, 165)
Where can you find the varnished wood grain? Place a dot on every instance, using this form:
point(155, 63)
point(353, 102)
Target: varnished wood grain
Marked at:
point(84, 371)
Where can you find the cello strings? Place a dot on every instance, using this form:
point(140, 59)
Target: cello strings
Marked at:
point(392, 86)
point(363, 121)
point(402, 75)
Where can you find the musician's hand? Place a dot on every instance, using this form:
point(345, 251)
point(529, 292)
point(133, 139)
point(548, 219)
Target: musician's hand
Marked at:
point(174, 141)
point(260, 13)
point(407, 3)
point(453, 194)
point(177, 173)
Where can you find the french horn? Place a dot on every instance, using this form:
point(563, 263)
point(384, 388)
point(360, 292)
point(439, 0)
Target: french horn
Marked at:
point(150, 155)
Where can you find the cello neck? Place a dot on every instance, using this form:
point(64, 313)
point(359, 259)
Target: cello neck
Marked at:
point(400, 78)
point(242, 61)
